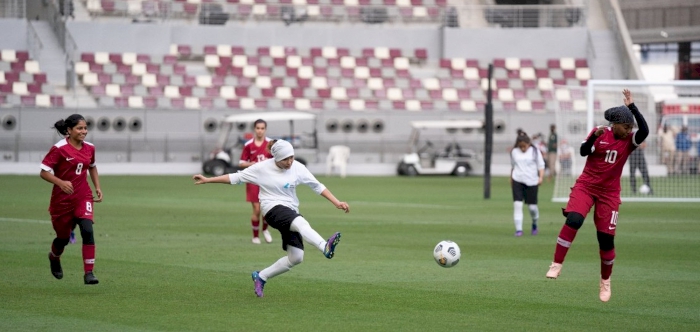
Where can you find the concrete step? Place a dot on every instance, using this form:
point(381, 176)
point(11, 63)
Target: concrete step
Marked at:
point(52, 58)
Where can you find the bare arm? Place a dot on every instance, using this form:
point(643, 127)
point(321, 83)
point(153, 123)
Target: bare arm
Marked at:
point(245, 164)
point(96, 183)
point(66, 186)
point(201, 179)
point(338, 204)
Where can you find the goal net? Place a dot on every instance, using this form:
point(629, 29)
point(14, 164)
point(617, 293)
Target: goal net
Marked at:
point(672, 173)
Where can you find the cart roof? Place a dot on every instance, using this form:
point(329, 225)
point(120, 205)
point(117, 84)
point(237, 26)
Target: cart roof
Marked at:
point(447, 124)
point(269, 116)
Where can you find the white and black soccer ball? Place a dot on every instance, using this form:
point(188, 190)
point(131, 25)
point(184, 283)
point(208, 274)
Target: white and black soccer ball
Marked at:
point(447, 253)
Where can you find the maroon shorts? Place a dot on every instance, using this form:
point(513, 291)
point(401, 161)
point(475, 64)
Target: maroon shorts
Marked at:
point(606, 204)
point(251, 193)
point(64, 220)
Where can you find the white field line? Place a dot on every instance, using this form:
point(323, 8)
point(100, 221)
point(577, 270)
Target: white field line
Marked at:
point(33, 221)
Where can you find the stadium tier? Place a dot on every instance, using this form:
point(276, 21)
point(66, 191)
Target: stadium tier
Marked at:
point(225, 76)
point(23, 83)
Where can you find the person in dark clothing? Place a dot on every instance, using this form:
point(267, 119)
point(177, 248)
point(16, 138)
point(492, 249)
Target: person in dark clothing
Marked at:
point(638, 162)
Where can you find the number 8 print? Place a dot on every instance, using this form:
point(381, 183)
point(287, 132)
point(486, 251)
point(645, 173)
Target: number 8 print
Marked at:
point(79, 168)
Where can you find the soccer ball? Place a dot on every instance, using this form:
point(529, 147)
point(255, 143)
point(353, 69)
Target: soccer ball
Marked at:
point(644, 189)
point(447, 253)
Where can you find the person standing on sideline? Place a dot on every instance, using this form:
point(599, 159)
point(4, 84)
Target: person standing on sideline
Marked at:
point(278, 178)
point(683, 145)
point(638, 162)
point(552, 147)
point(66, 166)
point(668, 148)
point(607, 149)
point(254, 151)
point(565, 154)
point(525, 177)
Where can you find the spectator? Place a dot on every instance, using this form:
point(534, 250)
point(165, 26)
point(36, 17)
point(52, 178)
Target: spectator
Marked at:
point(683, 145)
point(637, 161)
point(565, 155)
point(668, 148)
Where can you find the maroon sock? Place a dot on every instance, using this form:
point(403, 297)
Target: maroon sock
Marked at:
point(88, 257)
point(566, 236)
point(607, 258)
point(264, 224)
point(256, 227)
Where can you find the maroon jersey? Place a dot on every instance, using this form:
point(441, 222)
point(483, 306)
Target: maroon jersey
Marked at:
point(604, 165)
point(69, 164)
point(254, 153)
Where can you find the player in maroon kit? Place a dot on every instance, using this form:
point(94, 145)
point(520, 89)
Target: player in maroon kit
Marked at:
point(66, 166)
point(255, 150)
point(607, 149)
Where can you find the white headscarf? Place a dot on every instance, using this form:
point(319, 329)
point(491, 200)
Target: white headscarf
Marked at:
point(282, 150)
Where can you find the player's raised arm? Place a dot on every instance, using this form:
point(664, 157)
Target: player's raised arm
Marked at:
point(643, 130)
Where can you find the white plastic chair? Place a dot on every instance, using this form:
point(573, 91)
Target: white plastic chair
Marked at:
point(338, 156)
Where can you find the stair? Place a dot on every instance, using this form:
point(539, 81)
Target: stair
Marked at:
point(52, 58)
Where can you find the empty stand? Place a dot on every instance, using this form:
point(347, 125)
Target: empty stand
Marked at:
point(278, 77)
point(23, 83)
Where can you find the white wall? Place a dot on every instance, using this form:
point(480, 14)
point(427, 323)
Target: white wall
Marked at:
point(13, 34)
point(522, 43)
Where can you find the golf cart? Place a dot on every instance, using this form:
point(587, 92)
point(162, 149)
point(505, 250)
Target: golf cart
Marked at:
point(224, 159)
point(450, 160)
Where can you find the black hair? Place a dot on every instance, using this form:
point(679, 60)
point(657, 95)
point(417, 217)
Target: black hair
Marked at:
point(522, 138)
point(521, 133)
point(62, 125)
point(619, 114)
point(259, 121)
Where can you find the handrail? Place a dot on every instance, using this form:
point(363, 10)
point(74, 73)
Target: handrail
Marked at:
point(632, 69)
point(34, 43)
point(506, 16)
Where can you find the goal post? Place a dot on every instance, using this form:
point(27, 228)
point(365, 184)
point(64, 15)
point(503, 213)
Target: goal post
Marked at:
point(673, 176)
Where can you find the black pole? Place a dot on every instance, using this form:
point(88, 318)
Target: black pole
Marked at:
point(488, 139)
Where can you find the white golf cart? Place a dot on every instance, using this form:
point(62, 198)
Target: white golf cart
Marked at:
point(450, 160)
point(224, 159)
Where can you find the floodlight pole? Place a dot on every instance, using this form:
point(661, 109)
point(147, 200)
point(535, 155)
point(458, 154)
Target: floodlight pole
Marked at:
point(488, 139)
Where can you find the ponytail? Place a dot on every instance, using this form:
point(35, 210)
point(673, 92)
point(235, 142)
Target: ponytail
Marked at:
point(62, 126)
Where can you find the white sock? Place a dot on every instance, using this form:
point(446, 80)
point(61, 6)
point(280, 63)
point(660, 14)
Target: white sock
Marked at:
point(518, 215)
point(307, 233)
point(534, 213)
point(294, 256)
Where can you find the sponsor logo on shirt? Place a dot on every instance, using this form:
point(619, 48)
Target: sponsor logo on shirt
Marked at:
point(69, 159)
point(603, 142)
point(288, 186)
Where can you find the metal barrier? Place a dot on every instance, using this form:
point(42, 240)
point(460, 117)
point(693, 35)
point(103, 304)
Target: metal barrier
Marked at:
point(505, 16)
point(34, 44)
point(13, 8)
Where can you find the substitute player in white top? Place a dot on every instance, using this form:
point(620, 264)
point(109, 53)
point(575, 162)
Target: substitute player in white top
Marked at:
point(526, 176)
point(278, 178)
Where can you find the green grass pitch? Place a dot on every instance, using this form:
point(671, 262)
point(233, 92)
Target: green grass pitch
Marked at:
point(172, 256)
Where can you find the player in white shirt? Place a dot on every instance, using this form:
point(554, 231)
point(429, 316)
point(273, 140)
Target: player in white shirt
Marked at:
point(526, 176)
point(278, 178)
